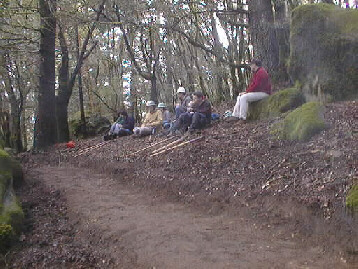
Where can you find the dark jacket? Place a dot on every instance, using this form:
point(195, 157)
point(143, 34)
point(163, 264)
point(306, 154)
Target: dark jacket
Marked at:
point(204, 108)
point(260, 82)
point(128, 123)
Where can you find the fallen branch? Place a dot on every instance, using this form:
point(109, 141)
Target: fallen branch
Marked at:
point(169, 145)
point(160, 142)
point(80, 152)
point(177, 146)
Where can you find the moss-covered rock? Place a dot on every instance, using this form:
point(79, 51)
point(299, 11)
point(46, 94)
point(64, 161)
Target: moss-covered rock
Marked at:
point(6, 236)
point(96, 124)
point(10, 209)
point(302, 123)
point(324, 51)
point(352, 198)
point(280, 102)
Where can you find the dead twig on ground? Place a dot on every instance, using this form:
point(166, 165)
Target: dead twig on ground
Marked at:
point(176, 146)
point(153, 145)
point(82, 151)
point(169, 145)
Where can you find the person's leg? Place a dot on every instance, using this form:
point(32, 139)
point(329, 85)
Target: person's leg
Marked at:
point(198, 121)
point(146, 131)
point(186, 119)
point(123, 132)
point(248, 98)
point(236, 112)
point(113, 128)
point(178, 111)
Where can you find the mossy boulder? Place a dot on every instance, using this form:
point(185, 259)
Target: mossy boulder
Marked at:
point(11, 213)
point(302, 123)
point(352, 198)
point(95, 123)
point(279, 102)
point(324, 51)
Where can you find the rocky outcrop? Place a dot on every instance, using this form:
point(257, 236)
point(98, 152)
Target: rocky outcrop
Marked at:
point(302, 123)
point(96, 124)
point(324, 51)
point(278, 103)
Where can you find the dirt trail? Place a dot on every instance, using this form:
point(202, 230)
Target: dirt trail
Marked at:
point(141, 231)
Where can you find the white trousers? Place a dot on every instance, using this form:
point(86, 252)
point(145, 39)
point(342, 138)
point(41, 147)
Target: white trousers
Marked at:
point(242, 103)
point(141, 131)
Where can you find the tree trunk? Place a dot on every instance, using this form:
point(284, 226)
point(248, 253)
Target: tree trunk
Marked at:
point(64, 93)
point(263, 34)
point(82, 107)
point(15, 108)
point(80, 88)
point(153, 89)
point(46, 133)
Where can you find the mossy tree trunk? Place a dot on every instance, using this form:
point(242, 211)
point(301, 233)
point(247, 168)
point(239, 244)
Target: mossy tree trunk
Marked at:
point(263, 34)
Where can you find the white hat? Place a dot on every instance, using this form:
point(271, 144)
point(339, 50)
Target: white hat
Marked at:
point(150, 103)
point(161, 105)
point(181, 90)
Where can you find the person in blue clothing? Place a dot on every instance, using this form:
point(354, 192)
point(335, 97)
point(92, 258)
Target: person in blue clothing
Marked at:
point(167, 116)
point(123, 126)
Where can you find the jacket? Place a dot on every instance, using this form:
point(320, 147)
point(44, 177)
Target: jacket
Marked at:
point(128, 123)
point(260, 82)
point(167, 117)
point(153, 119)
point(204, 108)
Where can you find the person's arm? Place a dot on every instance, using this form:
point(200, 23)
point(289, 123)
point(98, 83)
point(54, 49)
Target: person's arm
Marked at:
point(255, 83)
point(204, 108)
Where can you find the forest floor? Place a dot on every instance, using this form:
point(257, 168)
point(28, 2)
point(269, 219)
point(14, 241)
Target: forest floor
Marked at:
point(239, 198)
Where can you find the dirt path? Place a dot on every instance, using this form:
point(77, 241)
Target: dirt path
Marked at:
point(141, 231)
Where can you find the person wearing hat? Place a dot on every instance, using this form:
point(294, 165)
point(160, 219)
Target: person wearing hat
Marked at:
point(259, 88)
point(184, 100)
point(153, 119)
point(167, 117)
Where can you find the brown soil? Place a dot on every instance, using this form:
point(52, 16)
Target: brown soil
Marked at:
point(237, 199)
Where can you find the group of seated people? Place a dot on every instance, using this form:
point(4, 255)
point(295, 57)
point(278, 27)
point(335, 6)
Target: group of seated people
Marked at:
point(193, 111)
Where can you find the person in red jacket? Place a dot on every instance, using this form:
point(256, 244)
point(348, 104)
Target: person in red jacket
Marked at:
point(259, 88)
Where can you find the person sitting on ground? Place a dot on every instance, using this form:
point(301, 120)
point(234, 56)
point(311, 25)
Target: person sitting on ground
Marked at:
point(184, 100)
point(197, 117)
point(153, 119)
point(259, 88)
point(122, 126)
point(167, 117)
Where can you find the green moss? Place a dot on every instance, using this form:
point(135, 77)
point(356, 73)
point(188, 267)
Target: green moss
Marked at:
point(352, 198)
point(324, 49)
point(6, 236)
point(13, 215)
point(280, 102)
point(5, 181)
point(302, 123)
point(3, 153)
